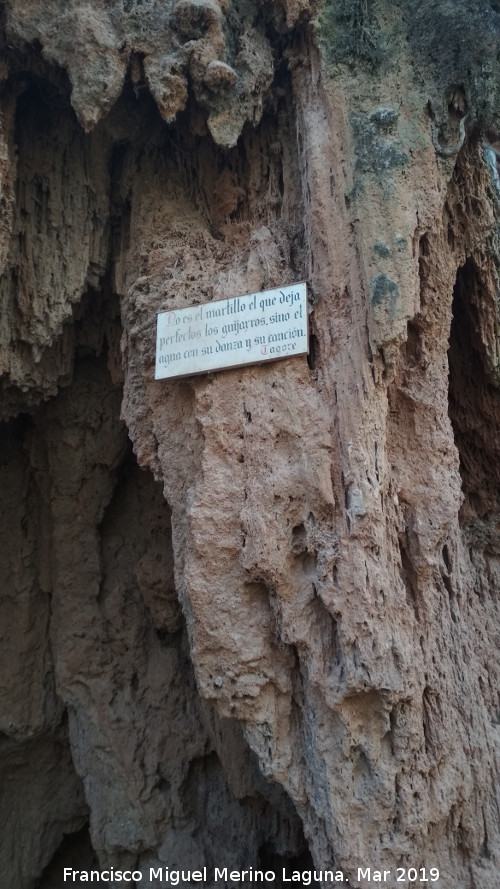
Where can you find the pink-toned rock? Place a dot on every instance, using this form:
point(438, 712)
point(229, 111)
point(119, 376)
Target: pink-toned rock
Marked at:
point(249, 618)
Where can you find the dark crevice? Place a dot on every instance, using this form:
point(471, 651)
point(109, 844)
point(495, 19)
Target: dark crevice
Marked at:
point(75, 852)
point(312, 356)
point(410, 580)
point(284, 866)
point(266, 817)
point(474, 400)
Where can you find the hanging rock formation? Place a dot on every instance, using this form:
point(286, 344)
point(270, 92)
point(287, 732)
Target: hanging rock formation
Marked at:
point(250, 618)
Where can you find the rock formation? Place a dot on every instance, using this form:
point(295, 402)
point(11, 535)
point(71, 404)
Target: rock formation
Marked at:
point(250, 618)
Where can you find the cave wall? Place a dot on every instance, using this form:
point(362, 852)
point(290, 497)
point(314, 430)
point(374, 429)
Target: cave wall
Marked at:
point(271, 630)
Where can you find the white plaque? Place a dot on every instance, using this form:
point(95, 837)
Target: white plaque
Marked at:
point(231, 332)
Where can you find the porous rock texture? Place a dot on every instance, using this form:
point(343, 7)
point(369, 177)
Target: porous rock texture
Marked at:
point(250, 618)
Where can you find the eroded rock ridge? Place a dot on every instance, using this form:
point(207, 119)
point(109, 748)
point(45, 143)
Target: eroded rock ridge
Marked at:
point(250, 617)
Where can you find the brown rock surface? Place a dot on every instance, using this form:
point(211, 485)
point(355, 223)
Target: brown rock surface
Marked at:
point(271, 636)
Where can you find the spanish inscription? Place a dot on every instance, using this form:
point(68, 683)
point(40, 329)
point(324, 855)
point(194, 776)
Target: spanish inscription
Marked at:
point(242, 330)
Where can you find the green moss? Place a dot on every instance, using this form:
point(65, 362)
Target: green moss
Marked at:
point(384, 293)
point(381, 250)
point(454, 44)
point(375, 153)
point(350, 34)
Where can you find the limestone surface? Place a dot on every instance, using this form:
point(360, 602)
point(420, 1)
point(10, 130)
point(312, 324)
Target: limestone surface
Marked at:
point(250, 618)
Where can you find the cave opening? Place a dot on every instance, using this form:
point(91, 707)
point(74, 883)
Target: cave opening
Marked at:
point(75, 851)
point(474, 398)
point(284, 866)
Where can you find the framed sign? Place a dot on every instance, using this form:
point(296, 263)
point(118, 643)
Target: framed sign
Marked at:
point(232, 332)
